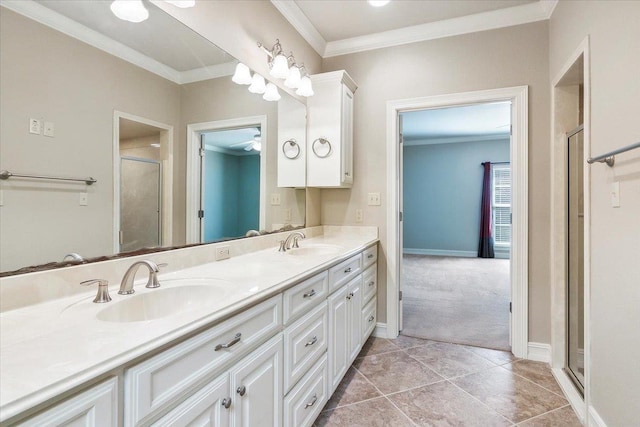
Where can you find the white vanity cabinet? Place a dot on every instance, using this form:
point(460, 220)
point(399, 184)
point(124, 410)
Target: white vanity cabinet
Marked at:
point(330, 130)
point(292, 147)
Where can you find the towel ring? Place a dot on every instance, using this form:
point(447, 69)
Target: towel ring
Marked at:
point(321, 147)
point(291, 149)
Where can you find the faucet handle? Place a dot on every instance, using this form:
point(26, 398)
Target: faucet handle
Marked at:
point(153, 276)
point(295, 242)
point(103, 289)
point(283, 246)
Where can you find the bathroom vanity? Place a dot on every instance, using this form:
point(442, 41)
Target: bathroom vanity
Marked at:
point(260, 339)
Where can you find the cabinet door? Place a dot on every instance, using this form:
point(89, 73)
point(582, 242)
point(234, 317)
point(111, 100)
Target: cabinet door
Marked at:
point(355, 317)
point(346, 146)
point(338, 337)
point(256, 386)
point(208, 407)
point(292, 133)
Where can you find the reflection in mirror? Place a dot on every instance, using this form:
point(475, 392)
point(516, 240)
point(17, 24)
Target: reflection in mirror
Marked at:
point(103, 101)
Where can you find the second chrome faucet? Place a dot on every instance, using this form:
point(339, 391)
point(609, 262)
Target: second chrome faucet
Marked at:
point(126, 286)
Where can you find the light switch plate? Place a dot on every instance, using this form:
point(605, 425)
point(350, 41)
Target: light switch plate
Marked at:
point(35, 126)
point(373, 199)
point(275, 199)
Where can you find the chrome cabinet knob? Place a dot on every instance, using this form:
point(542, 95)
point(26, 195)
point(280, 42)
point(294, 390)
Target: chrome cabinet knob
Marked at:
point(241, 390)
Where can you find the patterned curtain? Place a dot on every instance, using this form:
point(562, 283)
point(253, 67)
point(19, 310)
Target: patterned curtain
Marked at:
point(485, 247)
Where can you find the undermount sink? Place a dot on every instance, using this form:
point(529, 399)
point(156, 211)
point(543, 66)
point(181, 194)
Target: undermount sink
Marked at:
point(164, 302)
point(315, 250)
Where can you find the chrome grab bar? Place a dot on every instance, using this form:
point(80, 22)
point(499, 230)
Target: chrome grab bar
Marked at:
point(609, 158)
point(6, 175)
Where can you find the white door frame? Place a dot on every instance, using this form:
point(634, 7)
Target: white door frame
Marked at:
point(519, 164)
point(166, 147)
point(193, 168)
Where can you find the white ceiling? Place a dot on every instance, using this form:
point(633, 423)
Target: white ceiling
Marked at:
point(457, 124)
point(231, 140)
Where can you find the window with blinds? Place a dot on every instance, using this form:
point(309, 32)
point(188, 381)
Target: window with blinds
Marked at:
point(501, 204)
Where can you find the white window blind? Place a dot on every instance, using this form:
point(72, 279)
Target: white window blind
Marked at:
point(501, 204)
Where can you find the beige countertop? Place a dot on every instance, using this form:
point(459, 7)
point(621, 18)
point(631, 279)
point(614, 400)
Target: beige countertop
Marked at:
point(49, 348)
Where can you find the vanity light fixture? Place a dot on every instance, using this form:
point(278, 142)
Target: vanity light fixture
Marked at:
point(271, 93)
point(283, 67)
point(257, 84)
point(242, 76)
point(378, 3)
point(130, 10)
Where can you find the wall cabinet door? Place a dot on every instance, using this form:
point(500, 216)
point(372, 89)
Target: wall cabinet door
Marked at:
point(256, 386)
point(292, 134)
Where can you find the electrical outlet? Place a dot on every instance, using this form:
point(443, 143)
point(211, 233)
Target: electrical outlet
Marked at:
point(84, 199)
point(35, 126)
point(49, 129)
point(275, 199)
point(222, 252)
point(615, 194)
point(287, 214)
point(373, 199)
point(359, 216)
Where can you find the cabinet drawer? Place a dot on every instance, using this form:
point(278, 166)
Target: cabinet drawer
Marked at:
point(304, 342)
point(369, 283)
point(304, 403)
point(369, 256)
point(96, 406)
point(369, 319)
point(157, 382)
point(343, 272)
point(304, 296)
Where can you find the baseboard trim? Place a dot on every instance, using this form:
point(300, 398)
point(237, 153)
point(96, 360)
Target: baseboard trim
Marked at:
point(380, 330)
point(440, 252)
point(539, 352)
point(595, 419)
point(571, 393)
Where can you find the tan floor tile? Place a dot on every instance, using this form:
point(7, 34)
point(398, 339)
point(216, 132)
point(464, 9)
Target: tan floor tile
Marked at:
point(512, 396)
point(396, 371)
point(353, 388)
point(443, 404)
point(564, 417)
point(538, 372)
point(376, 345)
point(372, 413)
point(404, 341)
point(498, 357)
point(449, 360)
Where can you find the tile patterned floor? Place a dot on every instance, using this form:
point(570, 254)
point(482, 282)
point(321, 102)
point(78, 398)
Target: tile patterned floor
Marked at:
point(415, 382)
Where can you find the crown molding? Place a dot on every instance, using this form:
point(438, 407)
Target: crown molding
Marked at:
point(61, 23)
point(501, 18)
point(455, 139)
point(292, 13)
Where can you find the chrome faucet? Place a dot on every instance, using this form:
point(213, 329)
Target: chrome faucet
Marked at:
point(73, 257)
point(291, 241)
point(126, 286)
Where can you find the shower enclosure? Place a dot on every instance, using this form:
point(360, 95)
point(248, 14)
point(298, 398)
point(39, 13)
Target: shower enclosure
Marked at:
point(575, 258)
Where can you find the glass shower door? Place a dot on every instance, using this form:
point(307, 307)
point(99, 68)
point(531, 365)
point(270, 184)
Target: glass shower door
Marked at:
point(575, 258)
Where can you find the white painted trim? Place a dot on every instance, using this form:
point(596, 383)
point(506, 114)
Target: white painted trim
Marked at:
point(571, 393)
point(193, 169)
point(380, 331)
point(440, 252)
point(595, 419)
point(539, 352)
point(455, 139)
point(519, 162)
point(166, 136)
point(61, 23)
point(501, 18)
point(301, 23)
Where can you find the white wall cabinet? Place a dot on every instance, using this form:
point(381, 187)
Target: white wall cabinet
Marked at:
point(330, 130)
point(292, 147)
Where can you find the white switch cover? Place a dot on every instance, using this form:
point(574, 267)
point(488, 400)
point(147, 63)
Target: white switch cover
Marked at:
point(49, 129)
point(35, 126)
point(359, 215)
point(615, 195)
point(373, 199)
point(84, 199)
point(275, 199)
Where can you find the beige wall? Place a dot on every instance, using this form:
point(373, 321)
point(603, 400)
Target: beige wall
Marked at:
point(614, 32)
point(506, 57)
point(47, 75)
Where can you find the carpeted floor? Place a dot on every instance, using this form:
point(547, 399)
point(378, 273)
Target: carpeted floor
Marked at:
point(458, 300)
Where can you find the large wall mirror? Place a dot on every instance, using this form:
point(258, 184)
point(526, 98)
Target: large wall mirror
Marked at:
point(85, 94)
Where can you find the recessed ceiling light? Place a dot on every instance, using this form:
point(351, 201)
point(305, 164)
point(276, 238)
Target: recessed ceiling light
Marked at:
point(378, 3)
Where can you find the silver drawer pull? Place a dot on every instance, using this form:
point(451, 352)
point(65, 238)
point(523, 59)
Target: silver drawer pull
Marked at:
point(371, 319)
point(231, 343)
point(312, 342)
point(347, 270)
point(241, 390)
point(313, 401)
point(309, 294)
point(370, 256)
point(226, 402)
point(371, 283)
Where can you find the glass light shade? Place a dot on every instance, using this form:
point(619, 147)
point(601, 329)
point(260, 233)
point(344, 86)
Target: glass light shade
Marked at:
point(305, 88)
point(280, 67)
point(257, 146)
point(242, 76)
point(293, 81)
point(130, 10)
point(271, 93)
point(182, 3)
point(257, 84)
